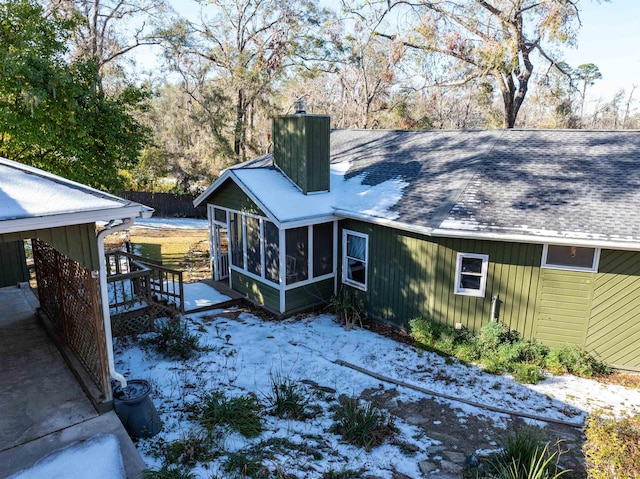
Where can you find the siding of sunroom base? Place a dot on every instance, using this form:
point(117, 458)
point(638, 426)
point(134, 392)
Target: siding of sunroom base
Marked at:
point(308, 296)
point(256, 291)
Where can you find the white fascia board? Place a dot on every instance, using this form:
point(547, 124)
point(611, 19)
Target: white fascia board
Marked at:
point(68, 219)
point(230, 174)
point(475, 235)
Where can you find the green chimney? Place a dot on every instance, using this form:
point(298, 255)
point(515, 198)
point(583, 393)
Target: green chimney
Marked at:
point(301, 150)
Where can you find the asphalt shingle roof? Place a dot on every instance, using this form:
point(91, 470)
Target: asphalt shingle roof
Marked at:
point(571, 184)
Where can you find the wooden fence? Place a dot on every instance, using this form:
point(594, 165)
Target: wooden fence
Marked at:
point(167, 204)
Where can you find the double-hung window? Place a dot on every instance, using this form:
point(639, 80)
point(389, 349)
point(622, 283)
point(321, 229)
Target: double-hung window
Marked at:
point(355, 248)
point(471, 274)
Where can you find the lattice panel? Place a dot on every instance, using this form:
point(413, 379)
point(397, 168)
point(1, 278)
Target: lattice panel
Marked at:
point(46, 265)
point(130, 325)
point(71, 298)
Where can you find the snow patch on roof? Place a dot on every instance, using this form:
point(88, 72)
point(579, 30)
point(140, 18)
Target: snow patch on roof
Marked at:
point(282, 199)
point(27, 195)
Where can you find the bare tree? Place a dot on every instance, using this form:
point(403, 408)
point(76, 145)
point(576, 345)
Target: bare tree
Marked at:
point(490, 38)
point(245, 47)
point(109, 29)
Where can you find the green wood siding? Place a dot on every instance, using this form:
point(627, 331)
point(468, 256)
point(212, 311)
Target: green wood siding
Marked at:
point(230, 195)
point(614, 326)
point(412, 276)
point(304, 297)
point(563, 306)
point(13, 264)
point(76, 241)
point(301, 150)
point(256, 291)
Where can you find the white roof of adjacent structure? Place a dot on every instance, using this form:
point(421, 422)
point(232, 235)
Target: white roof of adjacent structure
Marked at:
point(31, 199)
point(284, 202)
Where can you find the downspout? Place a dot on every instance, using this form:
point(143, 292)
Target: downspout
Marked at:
point(106, 317)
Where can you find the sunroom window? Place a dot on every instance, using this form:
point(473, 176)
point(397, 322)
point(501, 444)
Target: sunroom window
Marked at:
point(296, 254)
point(471, 274)
point(354, 261)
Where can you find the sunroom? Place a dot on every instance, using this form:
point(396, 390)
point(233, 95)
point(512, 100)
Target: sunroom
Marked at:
point(274, 236)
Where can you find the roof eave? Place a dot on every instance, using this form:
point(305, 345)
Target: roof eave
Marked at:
point(69, 219)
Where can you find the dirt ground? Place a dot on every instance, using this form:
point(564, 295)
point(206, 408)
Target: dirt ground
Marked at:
point(186, 250)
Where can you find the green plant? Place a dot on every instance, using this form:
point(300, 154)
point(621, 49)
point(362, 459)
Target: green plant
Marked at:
point(342, 474)
point(612, 446)
point(343, 305)
point(246, 466)
point(241, 413)
point(527, 373)
point(361, 423)
point(524, 456)
point(175, 341)
point(190, 449)
point(169, 472)
point(575, 360)
point(287, 398)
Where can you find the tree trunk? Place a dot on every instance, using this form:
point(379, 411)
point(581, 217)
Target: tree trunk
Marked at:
point(237, 133)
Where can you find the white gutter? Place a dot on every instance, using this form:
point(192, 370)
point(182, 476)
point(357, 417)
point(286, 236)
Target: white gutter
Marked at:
point(67, 219)
point(106, 317)
point(474, 235)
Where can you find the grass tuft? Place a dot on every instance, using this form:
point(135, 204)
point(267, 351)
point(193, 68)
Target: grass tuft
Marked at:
point(360, 423)
point(287, 399)
point(169, 472)
point(240, 413)
point(173, 339)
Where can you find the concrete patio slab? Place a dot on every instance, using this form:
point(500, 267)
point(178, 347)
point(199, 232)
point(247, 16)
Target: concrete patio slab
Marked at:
point(43, 406)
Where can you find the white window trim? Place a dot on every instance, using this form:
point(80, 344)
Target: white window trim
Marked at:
point(592, 269)
point(345, 258)
point(458, 289)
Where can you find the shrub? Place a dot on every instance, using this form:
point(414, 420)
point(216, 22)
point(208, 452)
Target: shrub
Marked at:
point(175, 341)
point(241, 413)
point(575, 360)
point(612, 447)
point(524, 456)
point(438, 337)
point(344, 306)
point(169, 472)
point(287, 398)
point(360, 423)
point(500, 349)
point(527, 373)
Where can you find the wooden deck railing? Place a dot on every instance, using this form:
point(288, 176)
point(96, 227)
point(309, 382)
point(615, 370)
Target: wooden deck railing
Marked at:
point(135, 281)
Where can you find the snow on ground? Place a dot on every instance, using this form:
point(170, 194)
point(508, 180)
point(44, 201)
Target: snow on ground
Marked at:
point(199, 295)
point(245, 353)
point(171, 223)
point(96, 458)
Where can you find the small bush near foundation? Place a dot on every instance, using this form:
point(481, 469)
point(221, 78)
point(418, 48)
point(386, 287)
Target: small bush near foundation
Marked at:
point(360, 423)
point(575, 360)
point(241, 413)
point(499, 349)
point(612, 447)
point(175, 341)
point(169, 472)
